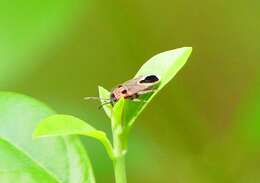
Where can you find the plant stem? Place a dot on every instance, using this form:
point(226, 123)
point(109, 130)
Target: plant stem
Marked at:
point(119, 168)
point(119, 161)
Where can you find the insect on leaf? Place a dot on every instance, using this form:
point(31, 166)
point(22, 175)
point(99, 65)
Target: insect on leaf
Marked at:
point(164, 65)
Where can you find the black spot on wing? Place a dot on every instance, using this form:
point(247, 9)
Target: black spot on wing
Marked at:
point(124, 91)
point(150, 79)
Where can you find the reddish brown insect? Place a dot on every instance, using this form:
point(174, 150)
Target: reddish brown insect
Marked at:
point(132, 89)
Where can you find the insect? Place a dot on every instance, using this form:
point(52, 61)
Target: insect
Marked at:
point(131, 89)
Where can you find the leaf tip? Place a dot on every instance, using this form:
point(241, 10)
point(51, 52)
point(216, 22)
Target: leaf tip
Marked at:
point(183, 52)
point(100, 87)
point(186, 49)
point(102, 91)
point(189, 49)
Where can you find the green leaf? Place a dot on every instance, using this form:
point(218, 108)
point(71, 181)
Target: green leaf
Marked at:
point(62, 125)
point(24, 160)
point(104, 95)
point(165, 65)
point(118, 112)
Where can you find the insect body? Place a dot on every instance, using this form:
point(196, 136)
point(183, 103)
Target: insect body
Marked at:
point(133, 88)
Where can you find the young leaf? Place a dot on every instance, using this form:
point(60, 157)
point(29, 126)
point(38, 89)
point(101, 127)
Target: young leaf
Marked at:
point(25, 160)
point(164, 65)
point(118, 111)
point(63, 125)
point(104, 94)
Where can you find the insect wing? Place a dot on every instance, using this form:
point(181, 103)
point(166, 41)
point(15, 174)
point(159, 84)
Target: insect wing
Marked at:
point(134, 86)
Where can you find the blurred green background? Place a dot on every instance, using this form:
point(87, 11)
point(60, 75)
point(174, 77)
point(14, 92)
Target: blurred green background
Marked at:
point(205, 125)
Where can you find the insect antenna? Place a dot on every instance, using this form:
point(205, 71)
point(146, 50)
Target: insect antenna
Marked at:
point(96, 98)
point(105, 103)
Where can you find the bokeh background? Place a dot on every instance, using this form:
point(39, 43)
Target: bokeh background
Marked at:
point(204, 127)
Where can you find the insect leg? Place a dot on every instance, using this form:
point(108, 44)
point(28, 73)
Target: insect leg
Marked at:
point(138, 100)
point(95, 98)
point(106, 103)
point(146, 91)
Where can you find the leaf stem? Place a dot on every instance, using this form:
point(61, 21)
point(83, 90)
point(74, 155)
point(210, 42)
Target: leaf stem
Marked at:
point(119, 160)
point(119, 169)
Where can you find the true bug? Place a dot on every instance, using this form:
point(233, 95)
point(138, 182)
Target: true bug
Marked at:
point(131, 89)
